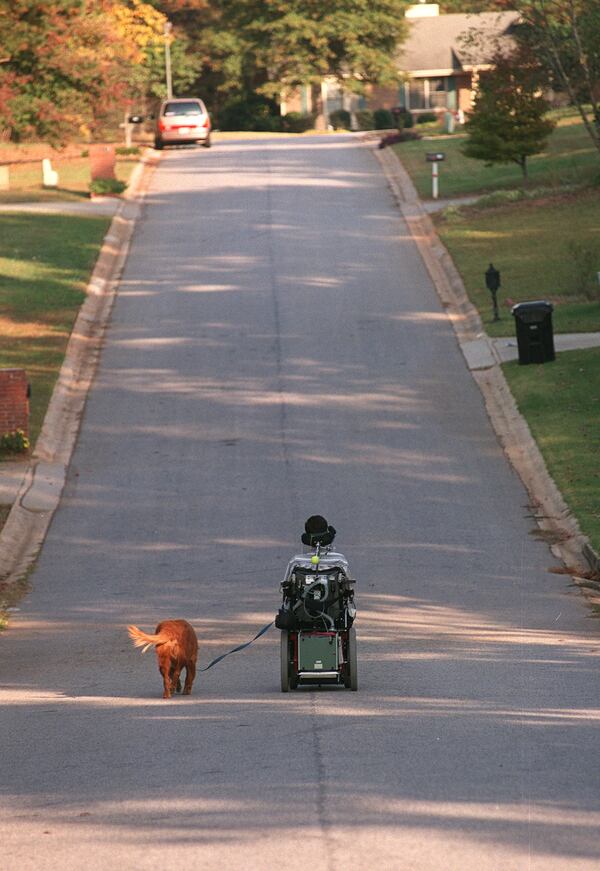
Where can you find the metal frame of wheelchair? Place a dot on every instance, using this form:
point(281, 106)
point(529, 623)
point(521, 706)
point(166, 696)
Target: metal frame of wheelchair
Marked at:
point(318, 639)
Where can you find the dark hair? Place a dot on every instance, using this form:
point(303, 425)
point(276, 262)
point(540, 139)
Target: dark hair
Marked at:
point(317, 531)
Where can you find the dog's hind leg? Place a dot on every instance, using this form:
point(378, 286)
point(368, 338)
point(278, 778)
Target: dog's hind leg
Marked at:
point(164, 666)
point(176, 679)
point(190, 674)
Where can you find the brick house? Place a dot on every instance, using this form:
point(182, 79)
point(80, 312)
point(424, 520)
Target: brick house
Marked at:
point(438, 72)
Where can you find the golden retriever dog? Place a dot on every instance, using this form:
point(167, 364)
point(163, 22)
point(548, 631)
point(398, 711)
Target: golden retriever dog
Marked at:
point(176, 648)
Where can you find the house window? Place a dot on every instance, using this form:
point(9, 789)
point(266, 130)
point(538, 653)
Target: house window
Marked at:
point(437, 93)
point(424, 94)
point(305, 99)
point(334, 97)
point(416, 94)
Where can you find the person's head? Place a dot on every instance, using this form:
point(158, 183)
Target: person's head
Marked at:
point(317, 531)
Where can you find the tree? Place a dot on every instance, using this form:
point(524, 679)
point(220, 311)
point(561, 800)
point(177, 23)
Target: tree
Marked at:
point(142, 27)
point(448, 7)
point(303, 40)
point(564, 36)
point(269, 46)
point(507, 123)
point(63, 67)
point(71, 67)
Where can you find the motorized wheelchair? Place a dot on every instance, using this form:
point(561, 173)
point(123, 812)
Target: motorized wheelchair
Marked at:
point(318, 639)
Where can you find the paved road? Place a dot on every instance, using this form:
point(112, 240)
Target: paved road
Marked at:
point(277, 349)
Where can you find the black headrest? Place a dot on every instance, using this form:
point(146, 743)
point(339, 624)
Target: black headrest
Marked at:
point(317, 531)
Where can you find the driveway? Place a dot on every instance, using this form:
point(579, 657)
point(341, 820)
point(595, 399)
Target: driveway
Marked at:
point(277, 350)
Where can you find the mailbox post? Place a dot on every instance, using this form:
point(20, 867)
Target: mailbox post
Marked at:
point(492, 282)
point(434, 157)
point(128, 125)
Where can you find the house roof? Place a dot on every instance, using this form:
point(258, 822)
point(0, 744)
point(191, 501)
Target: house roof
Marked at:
point(434, 46)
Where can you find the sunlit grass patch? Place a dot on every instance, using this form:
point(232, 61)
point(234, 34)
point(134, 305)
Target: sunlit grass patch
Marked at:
point(535, 246)
point(569, 158)
point(45, 263)
point(74, 177)
point(561, 403)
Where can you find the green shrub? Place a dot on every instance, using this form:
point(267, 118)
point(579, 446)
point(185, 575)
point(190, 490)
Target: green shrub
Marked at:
point(427, 118)
point(269, 124)
point(383, 119)
point(365, 120)
point(340, 119)
point(501, 198)
point(296, 122)
point(253, 112)
point(514, 195)
point(14, 442)
point(408, 135)
point(399, 136)
point(107, 186)
point(404, 119)
point(584, 260)
point(124, 150)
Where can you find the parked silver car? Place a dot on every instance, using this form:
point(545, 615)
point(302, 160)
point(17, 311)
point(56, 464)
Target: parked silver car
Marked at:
point(181, 121)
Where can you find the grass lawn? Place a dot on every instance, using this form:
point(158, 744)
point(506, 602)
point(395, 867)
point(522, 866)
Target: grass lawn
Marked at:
point(73, 180)
point(531, 243)
point(561, 403)
point(45, 262)
point(569, 158)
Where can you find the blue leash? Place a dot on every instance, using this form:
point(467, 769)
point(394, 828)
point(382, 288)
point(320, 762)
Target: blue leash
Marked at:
point(239, 647)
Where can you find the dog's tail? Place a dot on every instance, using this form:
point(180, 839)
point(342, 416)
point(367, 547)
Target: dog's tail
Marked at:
point(142, 639)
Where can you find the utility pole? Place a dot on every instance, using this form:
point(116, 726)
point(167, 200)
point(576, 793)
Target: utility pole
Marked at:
point(168, 27)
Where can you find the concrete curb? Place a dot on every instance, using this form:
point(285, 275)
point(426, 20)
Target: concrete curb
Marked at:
point(43, 482)
point(552, 514)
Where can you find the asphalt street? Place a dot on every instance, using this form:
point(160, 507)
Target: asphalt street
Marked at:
point(276, 350)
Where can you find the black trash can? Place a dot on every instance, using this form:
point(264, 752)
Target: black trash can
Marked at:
point(535, 337)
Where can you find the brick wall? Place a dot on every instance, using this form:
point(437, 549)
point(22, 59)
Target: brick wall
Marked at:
point(14, 401)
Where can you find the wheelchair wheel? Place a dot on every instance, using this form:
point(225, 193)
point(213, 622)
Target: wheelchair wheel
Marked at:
point(286, 683)
point(350, 670)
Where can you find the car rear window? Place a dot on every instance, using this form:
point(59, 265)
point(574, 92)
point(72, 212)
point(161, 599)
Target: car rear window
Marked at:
point(188, 108)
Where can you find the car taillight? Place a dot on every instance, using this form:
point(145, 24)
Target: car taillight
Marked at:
point(162, 125)
point(206, 122)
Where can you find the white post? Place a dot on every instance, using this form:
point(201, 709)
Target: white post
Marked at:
point(49, 175)
point(434, 179)
point(128, 128)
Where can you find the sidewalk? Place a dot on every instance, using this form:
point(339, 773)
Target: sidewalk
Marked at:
point(483, 352)
point(98, 206)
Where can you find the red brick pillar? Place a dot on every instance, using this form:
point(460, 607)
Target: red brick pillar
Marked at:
point(102, 161)
point(14, 401)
